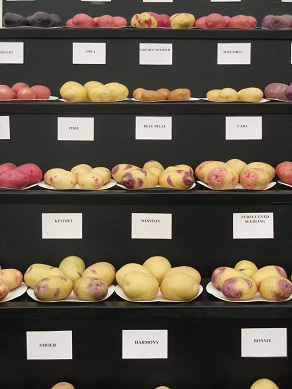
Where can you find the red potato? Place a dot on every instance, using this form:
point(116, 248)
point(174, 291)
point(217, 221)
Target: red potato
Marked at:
point(226, 18)
point(166, 20)
point(159, 19)
point(288, 93)
point(14, 179)
point(284, 172)
point(105, 21)
point(145, 20)
point(4, 167)
point(42, 92)
point(289, 18)
point(214, 21)
point(69, 23)
point(200, 23)
point(19, 85)
point(275, 90)
point(83, 20)
point(252, 21)
point(33, 171)
point(26, 93)
point(119, 21)
point(239, 21)
point(6, 93)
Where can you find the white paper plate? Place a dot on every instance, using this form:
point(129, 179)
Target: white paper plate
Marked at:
point(283, 183)
point(93, 102)
point(283, 101)
point(72, 298)
point(13, 294)
point(157, 186)
point(165, 101)
point(257, 298)
point(109, 185)
point(237, 101)
point(239, 186)
point(158, 298)
point(51, 98)
point(26, 187)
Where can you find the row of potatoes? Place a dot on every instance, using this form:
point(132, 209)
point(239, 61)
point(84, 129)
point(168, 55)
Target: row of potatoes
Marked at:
point(242, 282)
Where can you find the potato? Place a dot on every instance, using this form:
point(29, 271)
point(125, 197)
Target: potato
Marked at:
point(72, 267)
point(120, 274)
point(139, 178)
point(179, 287)
point(214, 21)
point(67, 85)
point(227, 95)
point(180, 166)
point(222, 178)
point(264, 383)
point(90, 84)
point(237, 164)
point(275, 288)
point(263, 166)
point(53, 288)
point(221, 274)
point(254, 179)
point(143, 20)
point(48, 174)
point(63, 385)
point(246, 267)
point(12, 277)
point(104, 172)
point(119, 170)
point(35, 272)
point(90, 289)
point(158, 266)
point(239, 21)
point(33, 171)
point(138, 92)
point(105, 21)
point(140, 286)
point(239, 288)
point(90, 181)
point(119, 91)
point(212, 94)
point(102, 270)
point(165, 91)
point(100, 94)
point(187, 270)
point(275, 22)
point(251, 95)
point(176, 179)
point(275, 90)
point(14, 179)
point(152, 95)
point(150, 164)
point(203, 169)
point(74, 93)
point(63, 179)
point(284, 172)
point(182, 20)
point(4, 167)
point(4, 290)
point(81, 168)
point(268, 271)
point(288, 93)
point(180, 94)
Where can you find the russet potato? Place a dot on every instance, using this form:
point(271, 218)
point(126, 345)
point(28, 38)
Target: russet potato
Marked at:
point(53, 288)
point(72, 267)
point(103, 270)
point(158, 266)
point(140, 286)
point(179, 287)
point(120, 274)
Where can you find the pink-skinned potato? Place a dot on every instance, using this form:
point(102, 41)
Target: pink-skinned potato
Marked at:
point(12, 277)
point(275, 90)
point(252, 21)
point(159, 19)
point(284, 172)
point(288, 93)
point(69, 23)
point(33, 171)
point(83, 20)
point(203, 169)
point(4, 290)
point(266, 167)
point(215, 20)
point(6, 93)
point(4, 167)
point(239, 21)
point(289, 18)
point(120, 21)
point(14, 179)
point(18, 85)
point(254, 179)
point(105, 21)
point(200, 23)
point(275, 22)
point(222, 178)
point(42, 92)
point(26, 93)
point(166, 20)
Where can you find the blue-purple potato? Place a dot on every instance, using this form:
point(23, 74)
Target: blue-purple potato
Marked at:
point(63, 385)
point(90, 289)
point(239, 288)
point(275, 288)
point(179, 287)
point(53, 288)
point(288, 93)
point(276, 22)
point(12, 277)
point(4, 290)
point(72, 267)
point(102, 270)
point(221, 274)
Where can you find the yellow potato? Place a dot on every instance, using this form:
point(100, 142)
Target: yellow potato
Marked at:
point(36, 272)
point(103, 270)
point(212, 94)
point(100, 94)
point(246, 267)
point(49, 173)
point(221, 274)
point(90, 181)
point(179, 287)
point(268, 271)
point(63, 179)
point(12, 277)
point(119, 91)
point(264, 383)
point(63, 385)
point(270, 170)
point(251, 95)
point(72, 267)
point(203, 169)
point(90, 289)
point(139, 178)
point(53, 288)
point(227, 95)
point(75, 93)
point(275, 288)
point(237, 164)
point(81, 168)
point(140, 286)
point(104, 172)
point(120, 274)
point(67, 85)
point(90, 84)
point(158, 266)
point(150, 164)
point(4, 290)
point(187, 270)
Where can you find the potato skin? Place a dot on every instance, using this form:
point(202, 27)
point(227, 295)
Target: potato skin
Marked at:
point(246, 267)
point(186, 269)
point(179, 287)
point(90, 289)
point(176, 179)
point(239, 288)
point(63, 179)
point(12, 277)
point(119, 170)
point(63, 385)
point(132, 266)
point(72, 267)
point(119, 91)
point(251, 95)
point(90, 181)
point(221, 274)
point(53, 288)
point(104, 172)
point(180, 94)
point(267, 271)
point(212, 94)
point(227, 95)
point(35, 272)
point(139, 178)
point(222, 178)
point(275, 288)
point(102, 270)
point(158, 266)
point(4, 290)
point(254, 179)
point(14, 179)
point(264, 383)
point(152, 95)
point(203, 169)
point(140, 286)
point(284, 172)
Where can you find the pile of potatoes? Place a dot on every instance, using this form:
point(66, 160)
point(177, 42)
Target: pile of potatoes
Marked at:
point(242, 282)
point(216, 20)
point(84, 175)
point(143, 282)
point(95, 91)
point(229, 95)
point(226, 175)
point(10, 279)
point(153, 174)
point(51, 283)
point(19, 177)
point(161, 94)
point(178, 21)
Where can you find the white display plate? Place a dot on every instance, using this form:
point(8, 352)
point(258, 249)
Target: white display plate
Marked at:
point(13, 294)
point(72, 298)
point(237, 101)
point(239, 186)
point(283, 101)
point(165, 101)
point(283, 183)
point(92, 102)
point(51, 98)
point(26, 187)
point(157, 186)
point(257, 298)
point(158, 298)
point(109, 185)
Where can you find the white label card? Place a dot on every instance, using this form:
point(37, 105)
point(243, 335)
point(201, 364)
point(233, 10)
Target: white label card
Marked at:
point(144, 344)
point(286, 1)
point(49, 345)
point(98, 1)
point(62, 226)
point(253, 225)
point(12, 52)
point(243, 127)
point(76, 129)
point(155, 54)
point(4, 127)
point(151, 226)
point(89, 53)
point(264, 342)
point(234, 53)
point(153, 127)
point(157, 1)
